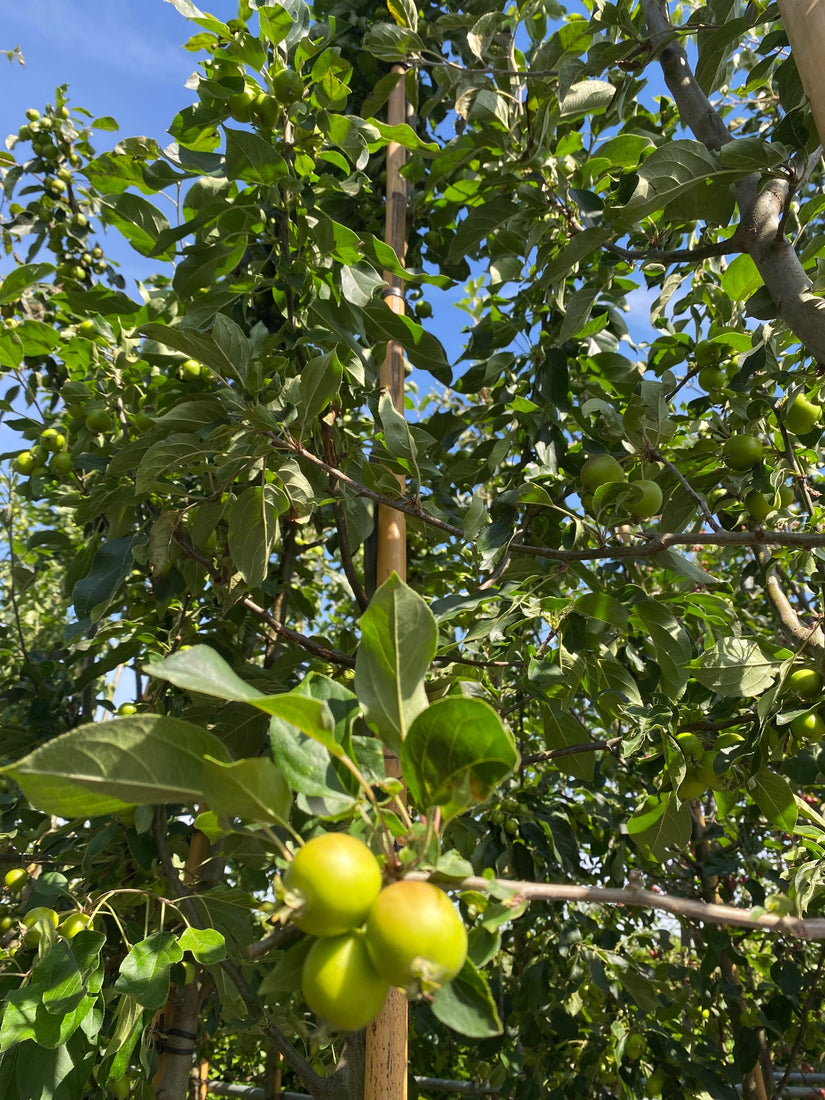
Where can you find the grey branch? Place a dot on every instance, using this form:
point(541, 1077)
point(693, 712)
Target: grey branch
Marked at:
point(761, 211)
point(688, 908)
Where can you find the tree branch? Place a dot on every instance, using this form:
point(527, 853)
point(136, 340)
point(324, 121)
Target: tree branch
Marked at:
point(653, 543)
point(637, 898)
point(761, 211)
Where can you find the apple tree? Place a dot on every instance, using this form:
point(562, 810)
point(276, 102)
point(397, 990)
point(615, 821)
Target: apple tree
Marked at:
point(589, 714)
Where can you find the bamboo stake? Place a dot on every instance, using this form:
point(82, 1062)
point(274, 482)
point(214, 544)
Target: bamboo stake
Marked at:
point(804, 22)
point(385, 1070)
point(392, 526)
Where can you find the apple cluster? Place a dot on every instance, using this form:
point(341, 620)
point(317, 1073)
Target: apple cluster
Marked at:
point(367, 937)
point(39, 919)
point(644, 497)
point(706, 770)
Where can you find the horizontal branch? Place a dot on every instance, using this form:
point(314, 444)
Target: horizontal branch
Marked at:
point(637, 898)
point(571, 750)
point(726, 247)
point(649, 546)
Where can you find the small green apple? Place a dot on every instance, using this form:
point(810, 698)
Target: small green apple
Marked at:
point(599, 470)
point(740, 452)
point(801, 415)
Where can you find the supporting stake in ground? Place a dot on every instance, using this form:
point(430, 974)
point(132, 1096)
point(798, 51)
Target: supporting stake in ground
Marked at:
point(385, 1071)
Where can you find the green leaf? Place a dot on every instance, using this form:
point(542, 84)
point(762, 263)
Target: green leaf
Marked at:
point(206, 944)
point(466, 1005)
point(112, 564)
point(137, 219)
point(455, 754)
point(563, 730)
point(391, 43)
point(671, 644)
point(397, 436)
point(587, 97)
point(399, 638)
point(735, 667)
point(670, 173)
point(741, 278)
point(20, 279)
point(201, 669)
point(253, 529)
point(106, 766)
point(581, 246)
point(253, 789)
point(252, 159)
point(144, 973)
point(422, 348)
point(308, 768)
point(479, 224)
point(662, 826)
point(320, 381)
point(773, 795)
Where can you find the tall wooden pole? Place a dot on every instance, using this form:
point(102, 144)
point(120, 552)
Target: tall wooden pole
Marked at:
point(385, 1070)
point(804, 22)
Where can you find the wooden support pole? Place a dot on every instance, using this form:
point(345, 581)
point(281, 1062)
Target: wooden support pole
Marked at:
point(385, 1070)
point(804, 22)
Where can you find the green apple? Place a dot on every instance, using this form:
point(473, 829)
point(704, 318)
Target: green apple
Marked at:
point(801, 415)
point(15, 879)
point(805, 682)
point(35, 921)
point(740, 452)
point(809, 727)
point(712, 379)
point(691, 745)
point(74, 923)
point(599, 470)
point(647, 499)
point(758, 505)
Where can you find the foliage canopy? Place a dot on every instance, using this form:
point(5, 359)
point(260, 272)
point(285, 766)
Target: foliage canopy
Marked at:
point(583, 694)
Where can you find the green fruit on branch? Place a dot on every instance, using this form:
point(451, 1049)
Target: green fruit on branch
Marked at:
point(801, 415)
point(15, 879)
point(691, 745)
point(786, 496)
point(61, 464)
point(415, 936)
point(340, 983)
point(758, 505)
point(53, 440)
point(712, 379)
point(190, 370)
point(647, 499)
point(334, 879)
point(98, 420)
point(810, 727)
point(35, 922)
point(26, 462)
point(805, 682)
point(74, 923)
point(740, 452)
point(599, 470)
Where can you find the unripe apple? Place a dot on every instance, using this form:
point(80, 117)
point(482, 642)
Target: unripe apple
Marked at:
point(647, 500)
point(801, 415)
point(758, 505)
point(740, 452)
point(599, 470)
point(805, 682)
